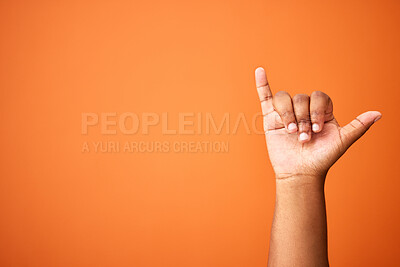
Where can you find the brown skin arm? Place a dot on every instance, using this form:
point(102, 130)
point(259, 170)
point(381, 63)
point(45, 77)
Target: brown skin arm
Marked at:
point(304, 140)
point(298, 235)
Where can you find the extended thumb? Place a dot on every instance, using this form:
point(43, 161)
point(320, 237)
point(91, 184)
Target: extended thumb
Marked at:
point(356, 128)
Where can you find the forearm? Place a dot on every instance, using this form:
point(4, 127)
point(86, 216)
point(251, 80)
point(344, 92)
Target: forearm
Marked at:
point(299, 234)
point(303, 136)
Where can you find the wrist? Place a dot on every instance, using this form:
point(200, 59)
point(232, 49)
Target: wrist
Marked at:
point(301, 181)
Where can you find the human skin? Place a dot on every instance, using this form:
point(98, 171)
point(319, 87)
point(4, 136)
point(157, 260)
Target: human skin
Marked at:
point(304, 140)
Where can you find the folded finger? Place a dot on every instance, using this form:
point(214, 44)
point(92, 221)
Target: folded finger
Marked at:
point(283, 105)
point(321, 110)
point(301, 105)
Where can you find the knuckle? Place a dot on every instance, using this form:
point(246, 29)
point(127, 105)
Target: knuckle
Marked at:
point(300, 98)
point(317, 113)
point(304, 121)
point(318, 94)
point(281, 93)
point(360, 123)
point(287, 114)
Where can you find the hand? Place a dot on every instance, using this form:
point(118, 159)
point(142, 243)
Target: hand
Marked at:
point(303, 137)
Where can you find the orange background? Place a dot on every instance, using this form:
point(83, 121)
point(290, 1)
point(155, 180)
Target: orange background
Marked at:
point(58, 59)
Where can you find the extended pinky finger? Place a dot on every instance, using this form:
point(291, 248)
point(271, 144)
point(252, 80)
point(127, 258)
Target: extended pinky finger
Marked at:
point(264, 92)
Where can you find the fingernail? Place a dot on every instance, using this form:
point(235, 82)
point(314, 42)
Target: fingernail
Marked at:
point(377, 118)
point(315, 127)
point(303, 137)
point(292, 126)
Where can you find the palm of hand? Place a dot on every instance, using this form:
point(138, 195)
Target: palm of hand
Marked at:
point(290, 157)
